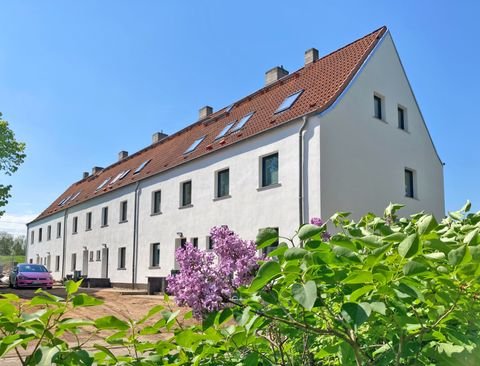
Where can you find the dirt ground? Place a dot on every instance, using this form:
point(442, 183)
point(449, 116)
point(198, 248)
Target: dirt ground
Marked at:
point(124, 304)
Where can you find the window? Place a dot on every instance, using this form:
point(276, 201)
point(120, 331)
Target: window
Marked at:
point(183, 242)
point(63, 202)
point(122, 257)
point(59, 229)
point(88, 221)
point(99, 255)
point(123, 211)
point(75, 225)
point(49, 232)
point(75, 195)
point(32, 237)
point(210, 243)
point(156, 202)
point(155, 255)
point(103, 184)
point(74, 261)
point(91, 256)
point(377, 106)
point(242, 122)
point(40, 232)
point(194, 242)
point(222, 183)
point(194, 145)
point(57, 263)
point(224, 131)
point(288, 102)
point(409, 184)
point(104, 216)
point(402, 123)
point(271, 247)
point(140, 168)
point(186, 194)
point(120, 176)
point(269, 170)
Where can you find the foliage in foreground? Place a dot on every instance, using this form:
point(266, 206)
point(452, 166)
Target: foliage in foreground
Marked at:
point(381, 291)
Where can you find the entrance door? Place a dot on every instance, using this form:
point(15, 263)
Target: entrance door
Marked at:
point(104, 262)
point(85, 263)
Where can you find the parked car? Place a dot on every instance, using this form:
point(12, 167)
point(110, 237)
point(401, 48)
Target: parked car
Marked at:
point(30, 275)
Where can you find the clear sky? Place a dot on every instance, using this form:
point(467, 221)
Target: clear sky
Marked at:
point(82, 80)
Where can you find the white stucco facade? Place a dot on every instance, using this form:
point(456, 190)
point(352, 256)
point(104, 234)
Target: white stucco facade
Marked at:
point(350, 161)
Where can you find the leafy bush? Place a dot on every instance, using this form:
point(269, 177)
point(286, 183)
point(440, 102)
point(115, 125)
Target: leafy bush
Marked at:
point(381, 291)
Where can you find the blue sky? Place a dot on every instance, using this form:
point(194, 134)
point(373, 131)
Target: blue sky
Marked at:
point(80, 81)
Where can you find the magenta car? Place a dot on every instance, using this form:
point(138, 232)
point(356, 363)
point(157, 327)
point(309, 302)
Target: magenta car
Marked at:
point(30, 275)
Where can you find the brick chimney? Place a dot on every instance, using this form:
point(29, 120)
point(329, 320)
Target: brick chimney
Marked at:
point(85, 175)
point(204, 112)
point(275, 74)
point(311, 55)
point(96, 170)
point(157, 136)
point(122, 155)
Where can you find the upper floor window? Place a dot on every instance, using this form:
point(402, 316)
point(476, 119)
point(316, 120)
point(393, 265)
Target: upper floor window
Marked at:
point(186, 194)
point(269, 170)
point(88, 221)
point(402, 118)
point(40, 232)
point(105, 216)
point(75, 225)
point(194, 242)
point(377, 107)
point(156, 202)
point(32, 237)
point(409, 183)
point(222, 183)
point(98, 256)
point(210, 243)
point(123, 211)
point(49, 232)
point(59, 229)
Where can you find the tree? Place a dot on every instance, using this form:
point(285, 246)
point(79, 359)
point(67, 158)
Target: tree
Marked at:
point(11, 156)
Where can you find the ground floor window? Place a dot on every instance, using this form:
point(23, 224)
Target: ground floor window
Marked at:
point(155, 255)
point(74, 261)
point(122, 257)
point(57, 263)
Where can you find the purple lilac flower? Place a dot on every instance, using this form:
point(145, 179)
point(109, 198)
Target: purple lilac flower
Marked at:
point(316, 221)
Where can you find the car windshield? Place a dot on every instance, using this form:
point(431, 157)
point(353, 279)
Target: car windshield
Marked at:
point(32, 268)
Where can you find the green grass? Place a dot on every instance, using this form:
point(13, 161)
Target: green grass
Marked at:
point(8, 258)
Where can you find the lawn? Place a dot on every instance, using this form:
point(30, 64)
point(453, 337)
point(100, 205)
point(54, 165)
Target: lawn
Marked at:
point(8, 259)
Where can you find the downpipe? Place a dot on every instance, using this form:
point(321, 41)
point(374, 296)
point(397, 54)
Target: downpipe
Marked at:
point(135, 236)
point(301, 172)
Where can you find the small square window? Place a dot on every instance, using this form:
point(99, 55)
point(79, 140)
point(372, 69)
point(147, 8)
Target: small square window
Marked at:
point(123, 211)
point(378, 107)
point(122, 257)
point(156, 202)
point(222, 183)
point(402, 118)
point(269, 170)
point(409, 183)
point(186, 194)
point(155, 255)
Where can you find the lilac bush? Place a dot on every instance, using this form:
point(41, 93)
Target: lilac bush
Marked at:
point(208, 279)
point(319, 222)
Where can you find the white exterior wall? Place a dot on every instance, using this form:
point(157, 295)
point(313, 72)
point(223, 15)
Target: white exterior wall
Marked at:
point(363, 158)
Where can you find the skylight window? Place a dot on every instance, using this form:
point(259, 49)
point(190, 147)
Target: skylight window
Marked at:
point(288, 102)
point(139, 169)
point(75, 196)
point(103, 184)
point(194, 145)
point(63, 201)
point(242, 122)
point(120, 176)
point(229, 108)
point(225, 130)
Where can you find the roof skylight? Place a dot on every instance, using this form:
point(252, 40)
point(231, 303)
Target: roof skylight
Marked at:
point(120, 176)
point(139, 169)
point(103, 184)
point(242, 122)
point(229, 108)
point(225, 130)
point(288, 102)
point(63, 201)
point(75, 195)
point(194, 145)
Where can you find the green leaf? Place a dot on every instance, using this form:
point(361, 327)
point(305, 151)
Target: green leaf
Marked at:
point(449, 348)
point(471, 237)
point(358, 277)
point(459, 256)
point(426, 224)
point(308, 231)
point(279, 251)
point(466, 207)
point(306, 294)
point(342, 241)
point(111, 322)
point(266, 237)
point(413, 267)
point(106, 351)
point(456, 215)
point(395, 237)
point(72, 287)
point(435, 256)
point(251, 359)
point(155, 310)
point(356, 313)
point(378, 307)
point(355, 295)
point(409, 246)
point(74, 323)
point(85, 300)
point(294, 253)
point(267, 272)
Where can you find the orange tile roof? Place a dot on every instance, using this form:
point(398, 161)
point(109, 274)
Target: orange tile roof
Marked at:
point(322, 81)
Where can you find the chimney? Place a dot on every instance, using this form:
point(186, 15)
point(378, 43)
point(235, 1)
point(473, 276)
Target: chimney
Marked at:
point(122, 155)
point(157, 136)
point(311, 55)
point(85, 175)
point(275, 74)
point(96, 170)
point(204, 112)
